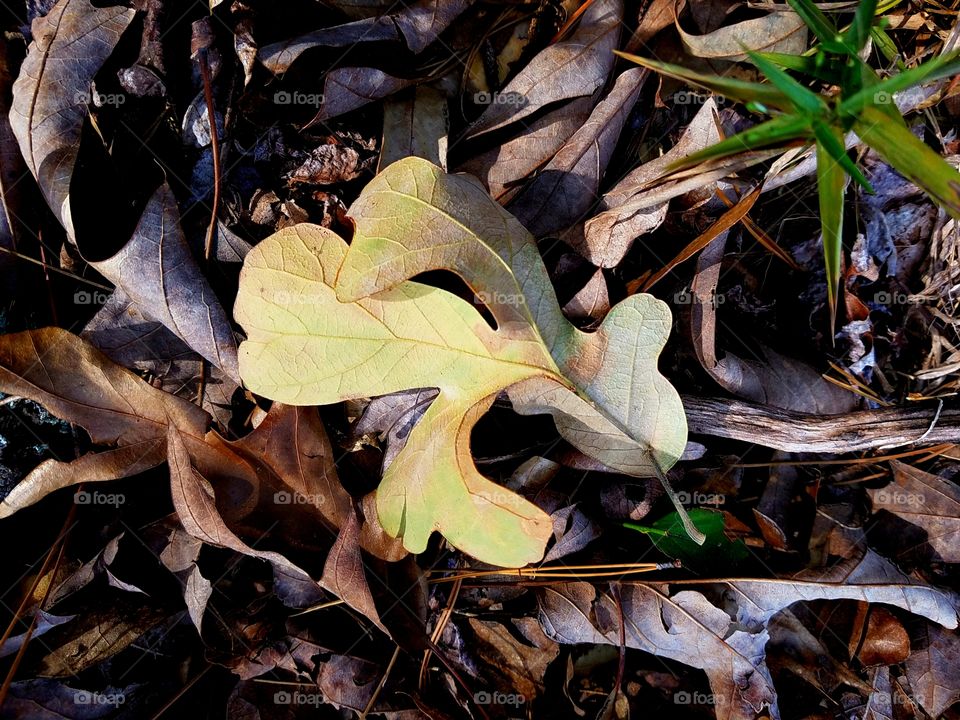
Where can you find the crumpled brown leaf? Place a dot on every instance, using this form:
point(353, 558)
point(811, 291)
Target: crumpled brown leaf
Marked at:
point(76, 382)
point(638, 204)
point(155, 268)
point(925, 500)
point(568, 69)
point(418, 25)
point(563, 191)
point(776, 380)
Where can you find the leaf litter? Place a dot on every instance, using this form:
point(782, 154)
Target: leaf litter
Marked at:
point(384, 404)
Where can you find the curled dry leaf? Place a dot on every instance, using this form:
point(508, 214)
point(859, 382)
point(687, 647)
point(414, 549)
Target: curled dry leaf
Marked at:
point(50, 95)
point(155, 268)
point(567, 187)
point(77, 383)
point(779, 381)
point(348, 88)
point(783, 32)
point(684, 627)
point(417, 25)
point(196, 506)
point(503, 166)
point(565, 70)
point(730, 648)
point(638, 204)
point(927, 501)
point(325, 325)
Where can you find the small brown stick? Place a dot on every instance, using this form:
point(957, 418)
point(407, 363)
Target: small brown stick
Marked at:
point(215, 147)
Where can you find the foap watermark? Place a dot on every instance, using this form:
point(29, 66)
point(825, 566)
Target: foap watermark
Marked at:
point(284, 97)
point(283, 497)
point(99, 99)
point(692, 97)
point(500, 98)
point(498, 698)
point(892, 496)
point(83, 297)
point(896, 298)
point(911, 97)
point(686, 297)
point(285, 697)
point(86, 697)
point(86, 497)
point(694, 698)
point(701, 498)
point(501, 298)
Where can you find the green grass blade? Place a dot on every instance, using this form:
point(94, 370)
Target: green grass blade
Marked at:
point(772, 133)
point(821, 25)
point(859, 31)
point(882, 92)
point(830, 182)
point(912, 158)
point(831, 140)
point(884, 43)
point(804, 99)
point(819, 66)
point(739, 90)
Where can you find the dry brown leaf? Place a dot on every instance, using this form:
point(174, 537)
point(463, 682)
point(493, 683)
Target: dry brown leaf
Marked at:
point(932, 670)
point(774, 380)
point(568, 69)
point(783, 32)
point(502, 167)
point(564, 190)
point(418, 25)
point(638, 204)
point(343, 573)
point(348, 88)
point(77, 383)
point(927, 501)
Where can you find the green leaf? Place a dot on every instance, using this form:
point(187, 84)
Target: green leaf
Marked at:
point(821, 25)
point(882, 92)
point(831, 140)
point(740, 90)
point(803, 99)
point(772, 133)
point(818, 65)
point(859, 30)
point(325, 324)
point(668, 535)
point(911, 157)
point(830, 186)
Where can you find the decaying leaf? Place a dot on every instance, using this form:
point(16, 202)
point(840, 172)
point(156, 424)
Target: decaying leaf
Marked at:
point(325, 325)
point(76, 382)
point(783, 32)
point(563, 191)
point(155, 268)
point(50, 95)
point(504, 166)
point(638, 204)
point(417, 25)
point(565, 70)
point(927, 501)
point(348, 88)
